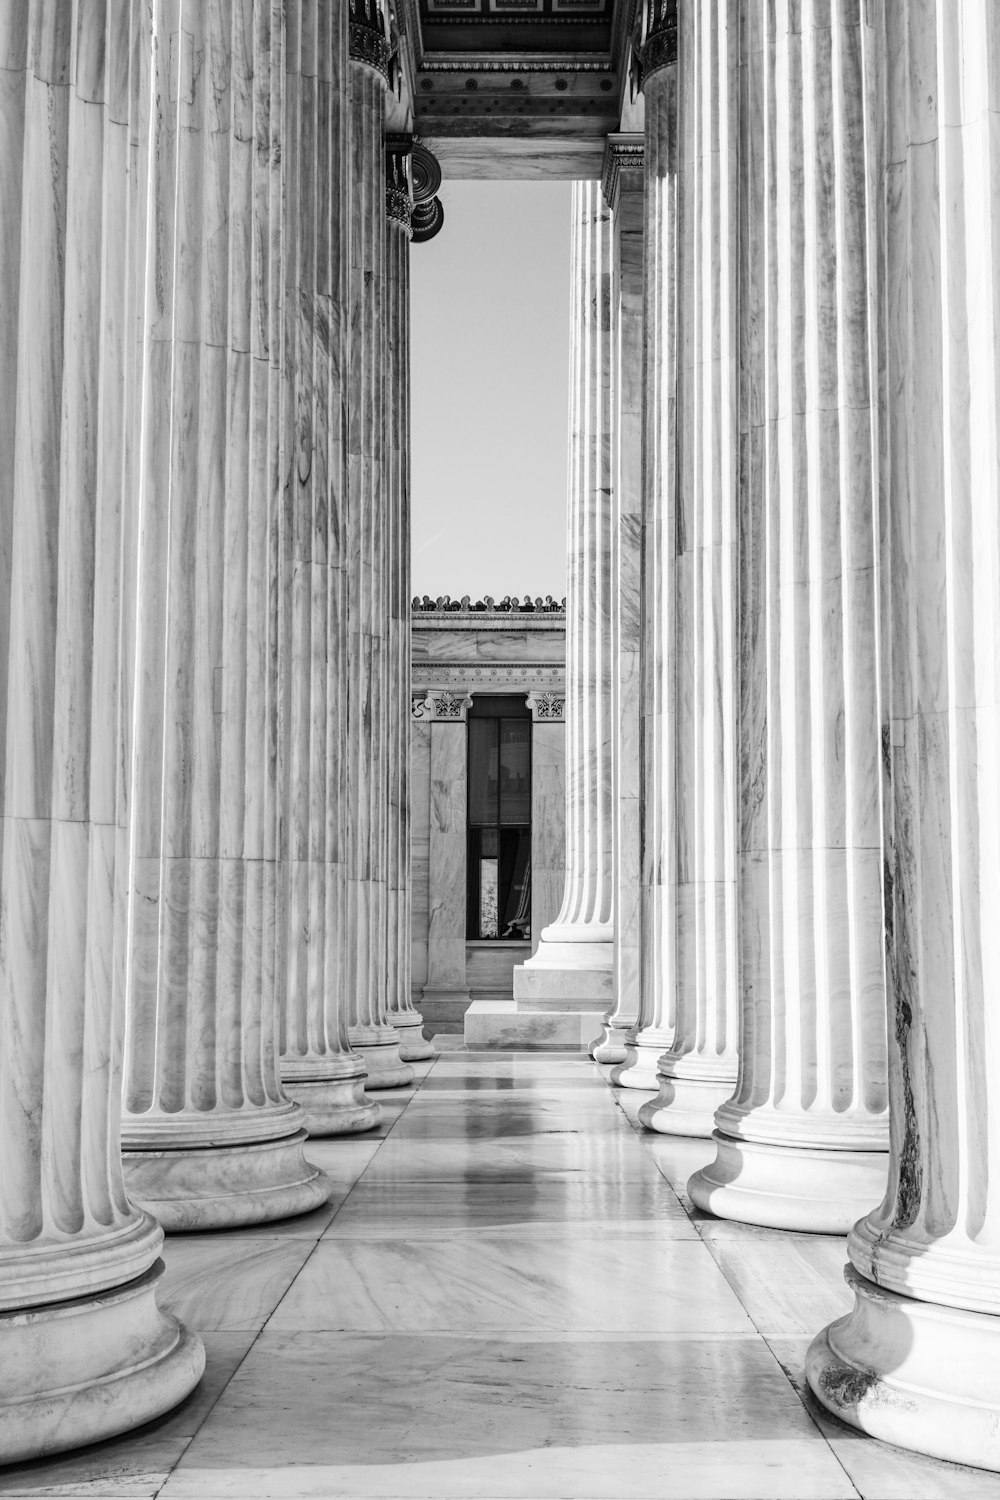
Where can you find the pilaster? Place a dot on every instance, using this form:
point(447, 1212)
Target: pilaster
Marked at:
point(318, 1069)
point(210, 1139)
point(802, 1143)
point(85, 1352)
point(572, 967)
point(917, 1360)
point(445, 713)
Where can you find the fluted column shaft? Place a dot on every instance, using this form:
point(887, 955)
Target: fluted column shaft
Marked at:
point(573, 962)
point(653, 1030)
point(318, 1068)
point(400, 1009)
point(370, 708)
point(917, 1362)
point(623, 190)
point(801, 1145)
point(84, 1351)
point(697, 1073)
point(210, 1137)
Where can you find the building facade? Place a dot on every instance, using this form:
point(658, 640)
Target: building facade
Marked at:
point(487, 789)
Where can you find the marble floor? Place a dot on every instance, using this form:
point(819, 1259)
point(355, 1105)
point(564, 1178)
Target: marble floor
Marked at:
point(509, 1294)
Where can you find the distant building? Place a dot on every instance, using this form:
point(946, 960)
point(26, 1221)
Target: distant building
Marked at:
point(487, 795)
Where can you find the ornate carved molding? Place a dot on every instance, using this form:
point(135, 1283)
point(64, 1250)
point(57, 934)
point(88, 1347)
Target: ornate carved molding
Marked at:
point(547, 706)
point(508, 605)
point(441, 705)
point(513, 676)
point(623, 166)
point(659, 45)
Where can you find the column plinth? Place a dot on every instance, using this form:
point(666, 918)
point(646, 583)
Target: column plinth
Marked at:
point(572, 967)
point(85, 1352)
point(917, 1360)
point(209, 1138)
point(802, 1144)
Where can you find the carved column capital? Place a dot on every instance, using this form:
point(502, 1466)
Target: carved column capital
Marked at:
point(659, 38)
point(546, 707)
point(398, 184)
point(442, 705)
point(428, 210)
point(622, 172)
point(369, 38)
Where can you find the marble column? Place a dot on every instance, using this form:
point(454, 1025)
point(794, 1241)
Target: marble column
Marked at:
point(400, 1010)
point(318, 1069)
point(802, 1143)
point(209, 1137)
point(623, 192)
point(698, 1070)
point(572, 967)
point(548, 803)
point(369, 706)
point(85, 1353)
point(445, 716)
point(653, 1030)
point(917, 1360)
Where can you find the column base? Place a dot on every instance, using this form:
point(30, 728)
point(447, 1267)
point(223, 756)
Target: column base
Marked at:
point(413, 1045)
point(612, 1044)
point(378, 1048)
point(83, 1371)
point(224, 1187)
point(642, 1057)
point(789, 1187)
point(334, 1106)
point(686, 1106)
point(547, 987)
point(916, 1374)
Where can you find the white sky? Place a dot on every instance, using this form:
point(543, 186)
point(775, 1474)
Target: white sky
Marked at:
point(490, 368)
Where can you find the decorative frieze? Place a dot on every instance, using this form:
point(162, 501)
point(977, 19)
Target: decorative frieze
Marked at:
point(509, 604)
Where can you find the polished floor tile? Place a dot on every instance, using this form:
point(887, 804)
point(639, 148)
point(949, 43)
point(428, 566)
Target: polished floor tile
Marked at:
point(480, 1284)
point(231, 1281)
point(788, 1283)
point(439, 1416)
point(596, 1156)
point(411, 1210)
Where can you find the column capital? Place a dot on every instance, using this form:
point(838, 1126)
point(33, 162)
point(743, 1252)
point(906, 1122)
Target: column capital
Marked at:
point(442, 705)
point(622, 171)
point(546, 707)
point(368, 37)
point(398, 185)
point(659, 37)
point(428, 210)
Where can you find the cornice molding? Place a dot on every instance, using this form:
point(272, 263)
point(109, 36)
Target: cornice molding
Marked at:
point(444, 604)
point(624, 158)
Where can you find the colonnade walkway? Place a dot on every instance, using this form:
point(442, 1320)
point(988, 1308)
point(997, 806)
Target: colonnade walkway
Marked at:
point(509, 1294)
